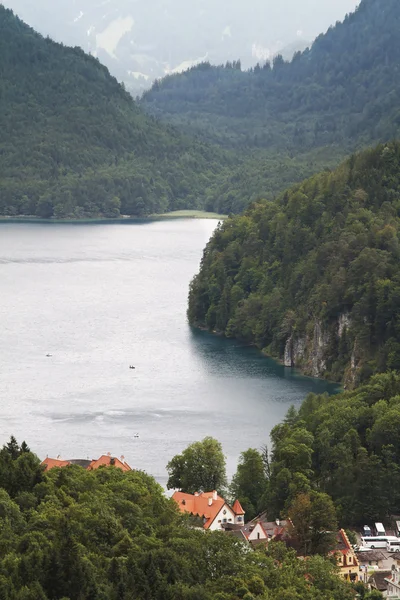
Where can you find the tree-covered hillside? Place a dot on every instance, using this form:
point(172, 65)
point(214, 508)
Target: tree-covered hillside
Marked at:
point(347, 446)
point(313, 278)
point(74, 143)
point(343, 90)
point(72, 534)
point(289, 120)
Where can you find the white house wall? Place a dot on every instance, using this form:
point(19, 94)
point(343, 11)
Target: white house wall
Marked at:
point(218, 522)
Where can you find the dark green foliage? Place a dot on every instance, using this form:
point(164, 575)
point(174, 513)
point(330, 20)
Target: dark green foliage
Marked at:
point(342, 446)
point(314, 523)
point(110, 535)
point(200, 468)
point(248, 483)
point(314, 275)
point(75, 144)
point(339, 95)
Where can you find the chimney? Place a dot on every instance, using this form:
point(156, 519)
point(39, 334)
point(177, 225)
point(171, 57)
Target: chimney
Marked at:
point(210, 501)
point(215, 495)
point(277, 521)
point(122, 459)
point(196, 493)
point(108, 453)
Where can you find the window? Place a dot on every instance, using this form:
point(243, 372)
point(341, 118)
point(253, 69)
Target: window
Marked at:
point(219, 521)
point(224, 520)
point(239, 518)
point(229, 519)
point(349, 559)
point(258, 535)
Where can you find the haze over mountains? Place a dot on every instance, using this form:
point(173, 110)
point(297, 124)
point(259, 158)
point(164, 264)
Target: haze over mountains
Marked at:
point(140, 41)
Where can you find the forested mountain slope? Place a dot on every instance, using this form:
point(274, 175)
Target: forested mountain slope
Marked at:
point(291, 120)
point(343, 90)
point(74, 143)
point(313, 277)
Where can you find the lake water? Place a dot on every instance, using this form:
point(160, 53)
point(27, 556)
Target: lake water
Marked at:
point(99, 298)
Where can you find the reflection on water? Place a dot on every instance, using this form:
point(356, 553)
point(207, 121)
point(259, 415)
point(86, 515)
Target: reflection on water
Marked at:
point(99, 298)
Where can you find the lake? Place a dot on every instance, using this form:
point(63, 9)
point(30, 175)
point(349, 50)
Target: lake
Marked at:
point(102, 297)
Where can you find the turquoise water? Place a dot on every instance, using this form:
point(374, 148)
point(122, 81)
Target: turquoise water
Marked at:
point(101, 297)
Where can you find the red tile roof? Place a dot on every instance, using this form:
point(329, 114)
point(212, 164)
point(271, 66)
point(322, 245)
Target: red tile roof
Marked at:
point(50, 463)
point(237, 508)
point(108, 461)
point(204, 504)
point(104, 460)
point(199, 505)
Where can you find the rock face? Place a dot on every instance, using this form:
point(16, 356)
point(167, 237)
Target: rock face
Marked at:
point(310, 353)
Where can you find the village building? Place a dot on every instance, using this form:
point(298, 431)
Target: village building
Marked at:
point(346, 557)
point(393, 582)
point(106, 460)
point(214, 511)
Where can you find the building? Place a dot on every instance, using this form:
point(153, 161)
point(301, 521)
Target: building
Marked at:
point(211, 508)
point(106, 460)
point(393, 583)
point(346, 557)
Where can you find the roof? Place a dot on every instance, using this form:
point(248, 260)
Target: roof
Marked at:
point(205, 504)
point(50, 463)
point(237, 508)
point(342, 542)
point(370, 555)
point(108, 461)
point(379, 580)
point(104, 460)
point(249, 527)
point(238, 534)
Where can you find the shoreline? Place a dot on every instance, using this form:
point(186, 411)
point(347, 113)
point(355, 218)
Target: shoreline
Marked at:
point(278, 360)
point(177, 214)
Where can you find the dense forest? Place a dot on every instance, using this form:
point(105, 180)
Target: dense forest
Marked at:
point(72, 534)
point(293, 119)
point(347, 446)
point(313, 278)
point(74, 143)
point(345, 88)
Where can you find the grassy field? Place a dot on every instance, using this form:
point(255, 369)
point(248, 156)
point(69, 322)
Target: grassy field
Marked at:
point(189, 214)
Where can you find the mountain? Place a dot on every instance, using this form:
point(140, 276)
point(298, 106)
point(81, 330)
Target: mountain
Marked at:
point(344, 90)
point(313, 278)
point(140, 41)
point(293, 119)
point(74, 143)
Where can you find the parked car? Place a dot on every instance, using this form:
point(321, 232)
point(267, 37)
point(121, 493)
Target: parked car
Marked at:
point(367, 531)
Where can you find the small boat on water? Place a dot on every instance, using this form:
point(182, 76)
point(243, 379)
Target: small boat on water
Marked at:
point(49, 355)
point(132, 367)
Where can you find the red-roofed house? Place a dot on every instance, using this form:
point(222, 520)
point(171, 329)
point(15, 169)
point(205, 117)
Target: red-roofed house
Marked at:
point(90, 465)
point(50, 463)
point(346, 557)
point(212, 508)
point(108, 461)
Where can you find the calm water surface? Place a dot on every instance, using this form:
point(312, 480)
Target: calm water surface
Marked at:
point(100, 298)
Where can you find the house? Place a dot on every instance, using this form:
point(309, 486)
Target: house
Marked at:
point(274, 529)
point(346, 557)
point(393, 583)
point(252, 533)
point(379, 581)
point(214, 511)
point(105, 460)
point(371, 560)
